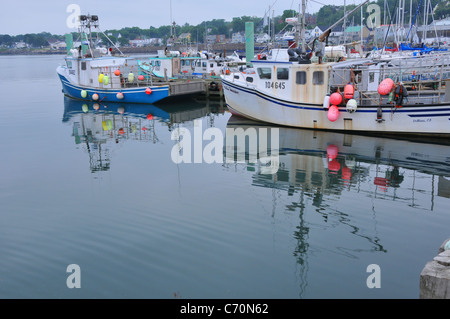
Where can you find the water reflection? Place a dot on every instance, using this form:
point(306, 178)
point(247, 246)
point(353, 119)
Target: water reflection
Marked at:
point(98, 126)
point(325, 173)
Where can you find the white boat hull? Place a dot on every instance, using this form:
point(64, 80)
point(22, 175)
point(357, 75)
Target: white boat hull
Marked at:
point(247, 101)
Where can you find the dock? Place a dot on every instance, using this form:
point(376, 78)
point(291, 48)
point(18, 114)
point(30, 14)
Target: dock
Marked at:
point(210, 88)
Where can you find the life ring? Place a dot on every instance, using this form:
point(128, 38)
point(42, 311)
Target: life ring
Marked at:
point(213, 86)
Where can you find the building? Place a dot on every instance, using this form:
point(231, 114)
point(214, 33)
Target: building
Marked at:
point(238, 37)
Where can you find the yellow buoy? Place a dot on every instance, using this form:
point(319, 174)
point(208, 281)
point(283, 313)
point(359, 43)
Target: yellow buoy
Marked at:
point(130, 77)
point(100, 78)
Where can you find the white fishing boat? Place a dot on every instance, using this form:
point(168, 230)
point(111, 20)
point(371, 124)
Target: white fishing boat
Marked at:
point(390, 96)
point(95, 74)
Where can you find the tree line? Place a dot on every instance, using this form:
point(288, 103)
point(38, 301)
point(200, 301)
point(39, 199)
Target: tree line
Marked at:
point(325, 17)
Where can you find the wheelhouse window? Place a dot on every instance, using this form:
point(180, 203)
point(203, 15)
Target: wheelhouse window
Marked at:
point(83, 65)
point(204, 64)
point(300, 77)
point(371, 77)
point(265, 73)
point(282, 74)
point(318, 77)
point(249, 79)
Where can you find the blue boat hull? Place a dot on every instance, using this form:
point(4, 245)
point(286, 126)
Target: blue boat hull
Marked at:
point(130, 95)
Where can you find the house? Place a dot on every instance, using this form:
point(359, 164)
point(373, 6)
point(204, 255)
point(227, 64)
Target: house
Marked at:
point(57, 45)
point(238, 37)
point(262, 38)
point(184, 38)
point(20, 45)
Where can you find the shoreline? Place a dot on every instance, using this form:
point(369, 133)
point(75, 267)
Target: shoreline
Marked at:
point(218, 47)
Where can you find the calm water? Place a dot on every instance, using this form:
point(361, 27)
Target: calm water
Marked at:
point(100, 189)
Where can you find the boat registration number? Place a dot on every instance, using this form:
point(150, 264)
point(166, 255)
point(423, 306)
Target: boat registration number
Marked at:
point(275, 85)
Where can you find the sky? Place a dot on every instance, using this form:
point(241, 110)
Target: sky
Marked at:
point(34, 16)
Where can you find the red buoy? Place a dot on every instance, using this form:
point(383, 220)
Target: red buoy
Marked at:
point(333, 113)
point(334, 166)
point(349, 91)
point(149, 116)
point(332, 151)
point(335, 98)
point(385, 86)
point(141, 78)
point(148, 91)
point(117, 72)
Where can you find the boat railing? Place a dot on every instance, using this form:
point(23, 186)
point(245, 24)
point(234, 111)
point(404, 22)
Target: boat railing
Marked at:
point(425, 82)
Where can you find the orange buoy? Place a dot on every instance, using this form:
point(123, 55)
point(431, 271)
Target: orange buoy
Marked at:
point(141, 78)
point(385, 86)
point(148, 91)
point(117, 72)
point(335, 98)
point(149, 116)
point(95, 96)
point(349, 91)
point(333, 113)
point(120, 96)
point(121, 131)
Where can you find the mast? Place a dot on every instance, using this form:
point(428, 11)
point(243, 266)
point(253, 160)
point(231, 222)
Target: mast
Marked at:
point(303, 25)
point(345, 21)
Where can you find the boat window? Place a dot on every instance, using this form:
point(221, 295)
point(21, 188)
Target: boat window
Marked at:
point(157, 63)
point(211, 65)
point(300, 77)
point(318, 77)
point(69, 64)
point(236, 77)
point(265, 73)
point(282, 74)
point(371, 77)
point(249, 79)
point(204, 64)
point(187, 62)
point(83, 66)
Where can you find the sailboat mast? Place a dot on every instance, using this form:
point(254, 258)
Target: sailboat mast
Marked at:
point(303, 24)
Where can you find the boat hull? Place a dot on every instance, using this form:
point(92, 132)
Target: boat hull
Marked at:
point(130, 95)
point(248, 102)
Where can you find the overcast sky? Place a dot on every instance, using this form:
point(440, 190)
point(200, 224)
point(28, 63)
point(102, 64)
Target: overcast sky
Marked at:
point(34, 16)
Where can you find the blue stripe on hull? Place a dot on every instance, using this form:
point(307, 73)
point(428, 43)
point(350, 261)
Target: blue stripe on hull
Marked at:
point(133, 95)
point(306, 106)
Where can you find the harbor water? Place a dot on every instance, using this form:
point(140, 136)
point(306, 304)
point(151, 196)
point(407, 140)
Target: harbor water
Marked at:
point(98, 186)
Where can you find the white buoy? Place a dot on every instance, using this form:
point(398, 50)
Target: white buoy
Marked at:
point(352, 105)
point(326, 102)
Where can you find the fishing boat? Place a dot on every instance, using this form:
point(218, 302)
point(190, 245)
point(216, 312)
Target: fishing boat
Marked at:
point(97, 74)
point(377, 96)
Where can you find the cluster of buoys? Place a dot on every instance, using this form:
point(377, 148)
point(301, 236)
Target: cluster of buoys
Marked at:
point(334, 166)
point(331, 102)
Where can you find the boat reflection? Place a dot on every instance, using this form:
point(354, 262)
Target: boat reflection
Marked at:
point(328, 162)
point(322, 175)
point(99, 127)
